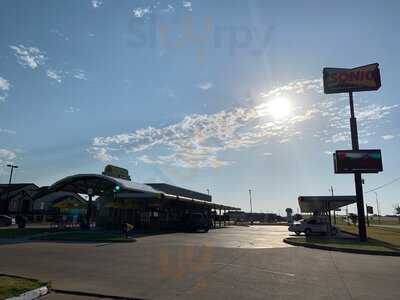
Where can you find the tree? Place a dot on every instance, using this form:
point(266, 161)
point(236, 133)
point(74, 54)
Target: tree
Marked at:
point(353, 218)
point(297, 217)
point(397, 211)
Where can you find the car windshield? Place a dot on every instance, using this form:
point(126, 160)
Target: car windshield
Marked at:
point(199, 149)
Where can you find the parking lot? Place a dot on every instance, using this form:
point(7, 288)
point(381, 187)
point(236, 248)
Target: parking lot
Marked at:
point(228, 263)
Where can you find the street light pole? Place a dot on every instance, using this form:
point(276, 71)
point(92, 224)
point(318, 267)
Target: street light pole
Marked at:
point(377, 207)
point(251, 208)
point(9, 183)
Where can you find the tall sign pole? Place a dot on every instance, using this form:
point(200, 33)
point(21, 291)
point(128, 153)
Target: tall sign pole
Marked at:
point(340, 80)
point(362, 230)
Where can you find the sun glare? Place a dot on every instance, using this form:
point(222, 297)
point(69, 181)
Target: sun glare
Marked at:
point(279, 108)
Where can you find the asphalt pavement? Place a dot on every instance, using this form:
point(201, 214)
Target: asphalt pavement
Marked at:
point(228, 263)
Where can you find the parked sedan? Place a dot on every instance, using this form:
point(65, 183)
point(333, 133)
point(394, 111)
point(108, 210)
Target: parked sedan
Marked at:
point(5, 220)
point(312, 225)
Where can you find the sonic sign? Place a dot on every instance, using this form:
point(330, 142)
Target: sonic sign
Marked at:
point(339, 80)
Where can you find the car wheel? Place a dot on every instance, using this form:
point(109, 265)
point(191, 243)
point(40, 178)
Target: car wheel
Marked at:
point(297, 232)
point(307, 232)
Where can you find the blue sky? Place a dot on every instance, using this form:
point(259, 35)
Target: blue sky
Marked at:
point(219, 95)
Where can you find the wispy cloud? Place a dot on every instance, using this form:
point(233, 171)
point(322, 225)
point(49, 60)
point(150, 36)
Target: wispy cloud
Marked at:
point(72, 109)
point(59, 34)
point(388, 137)
point(4, 84)
point(187, 5)
point(52, 74)
point(30, 57)
point(96, 3)
point(6, 157)
point(205, 85)
point(200, 140)
point(267, 154)
point(161, 8)
point(7, 131)
point(4, 88)
point(79, 74)
point(140, 12)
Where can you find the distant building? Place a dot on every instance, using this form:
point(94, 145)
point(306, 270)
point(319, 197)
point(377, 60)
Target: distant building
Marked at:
point(21, 192)
point(241, 216)
point(39, 203)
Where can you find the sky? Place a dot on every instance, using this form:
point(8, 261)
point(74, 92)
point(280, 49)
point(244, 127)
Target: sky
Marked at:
point(218, 95)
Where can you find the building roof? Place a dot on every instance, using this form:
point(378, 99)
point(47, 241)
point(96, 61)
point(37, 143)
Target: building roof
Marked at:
point(311, 204)
point(179, 191)
point(100, 184)
point(8, 191)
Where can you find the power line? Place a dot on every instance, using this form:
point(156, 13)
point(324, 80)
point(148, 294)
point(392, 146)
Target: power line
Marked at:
point(383, 185)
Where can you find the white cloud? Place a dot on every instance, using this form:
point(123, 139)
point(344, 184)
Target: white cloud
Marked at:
point(7, 154)
point(7, 131)
point(327, 152)
point(140, 12)
point(205, 85)
point(4, 84)
point(267, 153)
point(72, 109)
point(187, 5)
point(388, 136)
point(168, 9)
point(200, 140)
point(6, 157)
point(97, 3)
point(4, 88)
point(101, 154)
point(79, 74)
point(55, 75)
point(30, 57)
point(298, 87)
point(59, 34)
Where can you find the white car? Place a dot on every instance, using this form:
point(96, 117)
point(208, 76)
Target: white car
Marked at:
point(312, 225)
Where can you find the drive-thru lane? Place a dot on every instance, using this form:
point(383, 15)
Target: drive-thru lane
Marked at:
point(228, 263)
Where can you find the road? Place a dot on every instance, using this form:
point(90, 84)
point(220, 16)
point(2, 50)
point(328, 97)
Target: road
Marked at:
point(228, 263)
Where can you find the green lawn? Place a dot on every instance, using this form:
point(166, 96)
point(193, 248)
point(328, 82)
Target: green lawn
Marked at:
point(11, 286)
point(384, 234)
point(87, 236)
point(9, 233)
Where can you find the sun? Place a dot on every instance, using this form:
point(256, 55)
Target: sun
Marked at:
point(279, 107)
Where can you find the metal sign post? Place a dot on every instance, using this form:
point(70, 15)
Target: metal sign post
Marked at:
point(340, 80)
point(362, 230)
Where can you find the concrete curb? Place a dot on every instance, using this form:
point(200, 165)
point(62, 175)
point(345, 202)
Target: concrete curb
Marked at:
point(33, 294)
point(347, 250)
point(88, 294)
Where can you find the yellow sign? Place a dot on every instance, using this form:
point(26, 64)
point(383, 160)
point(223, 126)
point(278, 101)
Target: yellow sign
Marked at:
point(116, 172)
point(365, 78)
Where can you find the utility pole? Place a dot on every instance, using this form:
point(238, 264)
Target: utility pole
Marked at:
point(334, 209)
point(362, 230)
point(9, 183)
point(251, 208)
point(377, 207)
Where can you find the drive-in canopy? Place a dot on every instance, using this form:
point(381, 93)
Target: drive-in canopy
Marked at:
point(99, 185)
point(315, 204)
